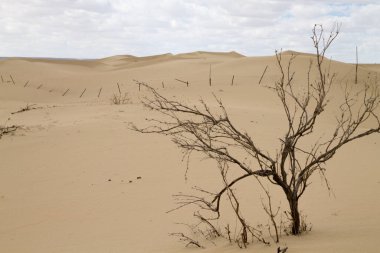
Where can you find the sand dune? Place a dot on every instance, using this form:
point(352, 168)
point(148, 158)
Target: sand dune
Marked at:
point(76, 179)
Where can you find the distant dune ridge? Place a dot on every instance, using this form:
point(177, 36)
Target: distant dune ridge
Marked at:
point(61, 74)
point(74, 178)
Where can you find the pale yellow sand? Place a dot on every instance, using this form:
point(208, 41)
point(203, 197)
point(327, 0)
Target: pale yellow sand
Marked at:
point(64, 178)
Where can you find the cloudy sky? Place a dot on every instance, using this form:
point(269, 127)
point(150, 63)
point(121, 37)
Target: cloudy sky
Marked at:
point(100, 28)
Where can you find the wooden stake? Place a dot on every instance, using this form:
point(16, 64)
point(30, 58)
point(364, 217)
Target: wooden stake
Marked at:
point(232, 82)
point(118, 86)
point(2, 79)
point(100, 91)
point(26, 84)
point(39, 87)
point(356, 67)
point(83, 92)
point(65, 92)
point(209, 76)
point(163, 85)
point(185, 82)
point(13, 81)
point(261, 78)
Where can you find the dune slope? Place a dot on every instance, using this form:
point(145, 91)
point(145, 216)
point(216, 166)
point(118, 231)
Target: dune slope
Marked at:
point(75, 178)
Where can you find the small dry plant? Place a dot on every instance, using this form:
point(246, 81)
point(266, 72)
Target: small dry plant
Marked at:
point(120, 98)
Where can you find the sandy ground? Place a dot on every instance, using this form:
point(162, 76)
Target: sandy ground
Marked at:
point(75, 178)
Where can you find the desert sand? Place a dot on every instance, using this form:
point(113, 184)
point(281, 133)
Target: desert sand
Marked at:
point(75, 178)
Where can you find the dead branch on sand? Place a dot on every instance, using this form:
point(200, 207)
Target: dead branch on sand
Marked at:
point(187, 240)
point(4, 130)
point(27, 108)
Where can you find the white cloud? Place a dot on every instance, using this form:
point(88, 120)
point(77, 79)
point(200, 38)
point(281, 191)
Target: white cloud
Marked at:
point(99, 28)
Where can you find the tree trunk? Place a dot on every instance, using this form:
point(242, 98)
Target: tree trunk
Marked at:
point(296, 220)
point(292, 198)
